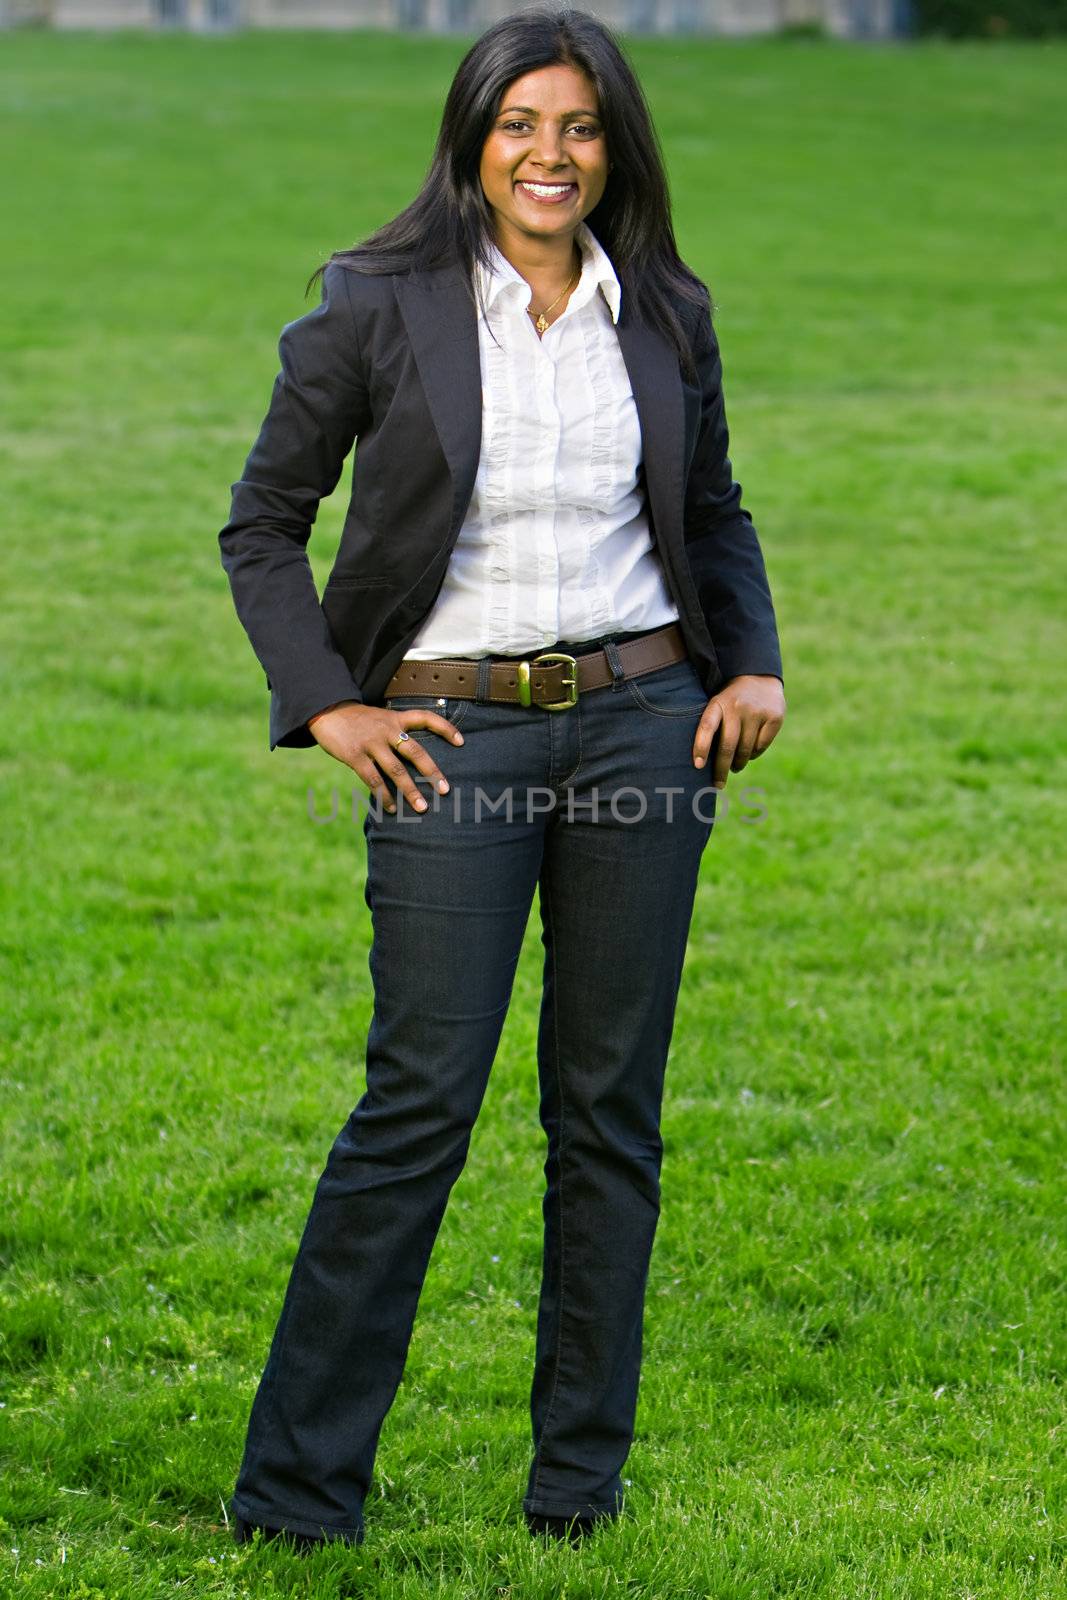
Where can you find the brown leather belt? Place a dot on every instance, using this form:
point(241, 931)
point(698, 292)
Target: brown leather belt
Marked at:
point(552, 680)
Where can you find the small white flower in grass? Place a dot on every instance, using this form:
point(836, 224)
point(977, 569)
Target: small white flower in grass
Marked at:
point(494, 1258)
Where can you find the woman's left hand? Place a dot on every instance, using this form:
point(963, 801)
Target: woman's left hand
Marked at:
point(747, 713)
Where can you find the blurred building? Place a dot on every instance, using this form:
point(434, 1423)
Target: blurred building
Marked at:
point(868, 19)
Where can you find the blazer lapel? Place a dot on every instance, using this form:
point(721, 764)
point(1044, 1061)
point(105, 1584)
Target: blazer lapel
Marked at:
point(657, 388)
point(442, 325)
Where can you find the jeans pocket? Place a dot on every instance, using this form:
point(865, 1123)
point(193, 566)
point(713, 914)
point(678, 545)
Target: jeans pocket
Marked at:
point(674, 691)
point(452, 707)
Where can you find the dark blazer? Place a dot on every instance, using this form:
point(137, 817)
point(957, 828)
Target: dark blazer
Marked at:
point(392, 361)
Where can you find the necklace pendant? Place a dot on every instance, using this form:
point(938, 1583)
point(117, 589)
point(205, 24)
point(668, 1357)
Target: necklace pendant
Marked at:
point(541, 324)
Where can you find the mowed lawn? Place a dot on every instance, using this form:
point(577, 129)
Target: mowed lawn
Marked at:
point(854, 1342)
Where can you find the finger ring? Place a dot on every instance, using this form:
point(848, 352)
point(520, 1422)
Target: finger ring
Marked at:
point(401, 739)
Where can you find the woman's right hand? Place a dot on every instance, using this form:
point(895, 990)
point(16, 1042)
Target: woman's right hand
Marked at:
point(364, 738)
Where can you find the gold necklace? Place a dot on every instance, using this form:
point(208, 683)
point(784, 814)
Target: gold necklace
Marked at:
point(540, 317)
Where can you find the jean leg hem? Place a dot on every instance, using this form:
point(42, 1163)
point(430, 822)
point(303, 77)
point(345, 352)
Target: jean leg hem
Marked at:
point(556, 1508)
point(266, 1516)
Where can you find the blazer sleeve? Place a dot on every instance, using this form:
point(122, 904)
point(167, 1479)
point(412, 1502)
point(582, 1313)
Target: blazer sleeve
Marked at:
point(317, 408)
point(721, 542)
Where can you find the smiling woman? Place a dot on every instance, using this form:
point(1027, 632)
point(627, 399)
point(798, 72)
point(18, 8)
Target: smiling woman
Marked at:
point(545, 163)
point(544, 531)
point(546, 101)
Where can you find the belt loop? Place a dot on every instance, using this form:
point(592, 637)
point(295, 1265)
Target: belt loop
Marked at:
point(611, 650)
point(481, 691)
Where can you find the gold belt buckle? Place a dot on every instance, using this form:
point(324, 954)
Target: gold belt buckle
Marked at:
point(571, 682)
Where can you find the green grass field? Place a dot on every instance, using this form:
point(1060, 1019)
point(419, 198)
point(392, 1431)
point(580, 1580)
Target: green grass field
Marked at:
point(853, 1379)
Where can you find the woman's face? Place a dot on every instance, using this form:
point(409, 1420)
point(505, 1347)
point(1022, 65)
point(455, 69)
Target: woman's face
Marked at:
point(547, 133)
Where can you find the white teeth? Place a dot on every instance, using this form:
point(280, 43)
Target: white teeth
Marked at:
point(546, 188)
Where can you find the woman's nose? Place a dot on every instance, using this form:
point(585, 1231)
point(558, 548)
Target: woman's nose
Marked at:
point(548, 147)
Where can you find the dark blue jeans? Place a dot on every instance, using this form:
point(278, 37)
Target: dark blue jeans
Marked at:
point(607, 820)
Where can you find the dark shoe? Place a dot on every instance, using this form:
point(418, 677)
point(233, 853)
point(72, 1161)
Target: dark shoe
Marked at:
point(573, 1529)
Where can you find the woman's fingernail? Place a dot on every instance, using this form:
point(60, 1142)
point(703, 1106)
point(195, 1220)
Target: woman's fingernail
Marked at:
point(420, 804)
point(699, 762)
point(459, 738)
point(442, 787)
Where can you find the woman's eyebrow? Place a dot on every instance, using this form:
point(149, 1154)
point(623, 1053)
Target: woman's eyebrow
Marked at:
point(530, 112)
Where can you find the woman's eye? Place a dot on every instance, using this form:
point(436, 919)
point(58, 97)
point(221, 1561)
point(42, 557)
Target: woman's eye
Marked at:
point(577, 127)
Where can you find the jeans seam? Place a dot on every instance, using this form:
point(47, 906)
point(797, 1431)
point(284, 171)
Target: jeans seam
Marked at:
point(570, 776)
point(634, 686)
point(656, 711)
point(259, 1421)
point(535, 1487)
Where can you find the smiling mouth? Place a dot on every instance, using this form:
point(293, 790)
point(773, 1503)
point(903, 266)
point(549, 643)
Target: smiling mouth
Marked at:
point(547, 193)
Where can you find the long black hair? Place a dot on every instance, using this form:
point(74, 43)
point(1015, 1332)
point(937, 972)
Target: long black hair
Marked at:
point(450, 220)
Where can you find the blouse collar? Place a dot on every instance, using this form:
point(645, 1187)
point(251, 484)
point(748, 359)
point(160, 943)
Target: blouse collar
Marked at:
point(502, 279)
